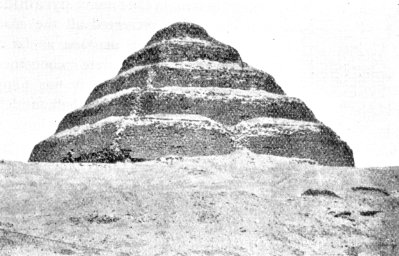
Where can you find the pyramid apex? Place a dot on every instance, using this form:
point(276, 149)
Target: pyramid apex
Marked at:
point(180, 30)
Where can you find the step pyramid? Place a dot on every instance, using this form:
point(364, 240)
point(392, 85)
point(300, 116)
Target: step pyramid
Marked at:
point(187, 94)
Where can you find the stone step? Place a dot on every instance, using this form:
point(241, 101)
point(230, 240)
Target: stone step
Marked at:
point(187, 94)
point(180, 30)
point(181, 42)
point(181, 50)
point(224, 105)
point(200, 73)
point(136, 138)
point(290, 138)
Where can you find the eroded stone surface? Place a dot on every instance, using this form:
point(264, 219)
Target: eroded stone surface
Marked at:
point(181, 51)
point(187, 94)
point(188, 74)
point(227, 106)
point(292, 138)
point(134, 138)
point(180, 30)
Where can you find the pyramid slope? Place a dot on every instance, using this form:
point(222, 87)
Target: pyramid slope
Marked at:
point(181, 30)
point(291, 138)
point(187, 94)
point(182, 42)
point(199, 73)
point(181, 50)
point(136, 138)
point(224, 105)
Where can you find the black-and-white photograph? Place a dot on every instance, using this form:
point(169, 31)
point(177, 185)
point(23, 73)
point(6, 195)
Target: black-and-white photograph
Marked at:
point(205, 128)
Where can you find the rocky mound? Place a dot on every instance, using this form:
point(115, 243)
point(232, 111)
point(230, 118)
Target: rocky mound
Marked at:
point(187, 94)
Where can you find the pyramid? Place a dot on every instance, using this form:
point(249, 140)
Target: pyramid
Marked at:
point(187, 94)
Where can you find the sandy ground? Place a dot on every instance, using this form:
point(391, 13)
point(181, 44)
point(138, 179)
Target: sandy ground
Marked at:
point(238, 204)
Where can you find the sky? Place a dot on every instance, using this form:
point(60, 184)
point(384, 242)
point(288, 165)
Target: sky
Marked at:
point(340, 57)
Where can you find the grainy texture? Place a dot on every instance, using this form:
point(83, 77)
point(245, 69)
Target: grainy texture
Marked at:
point(187, 94)
point(174, 52)
point(180, 30)
point(180, 76)
point(132, 138)
point(241, 204)
point(216, 103)
point(320, 144)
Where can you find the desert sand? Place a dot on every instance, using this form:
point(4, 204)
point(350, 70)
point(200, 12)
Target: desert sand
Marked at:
point(236, 204)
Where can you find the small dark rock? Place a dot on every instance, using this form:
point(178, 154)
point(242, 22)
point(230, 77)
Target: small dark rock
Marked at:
point(317, 192)
point(103, 219)
point(372, 189)
point(369, 213)
point(342, 214)
point(74, 220)
point(6, 224)
point(67, 252)
point(4, 242)
point(197, 172)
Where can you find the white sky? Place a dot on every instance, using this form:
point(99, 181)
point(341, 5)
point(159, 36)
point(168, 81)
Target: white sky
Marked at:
point(340, 57)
